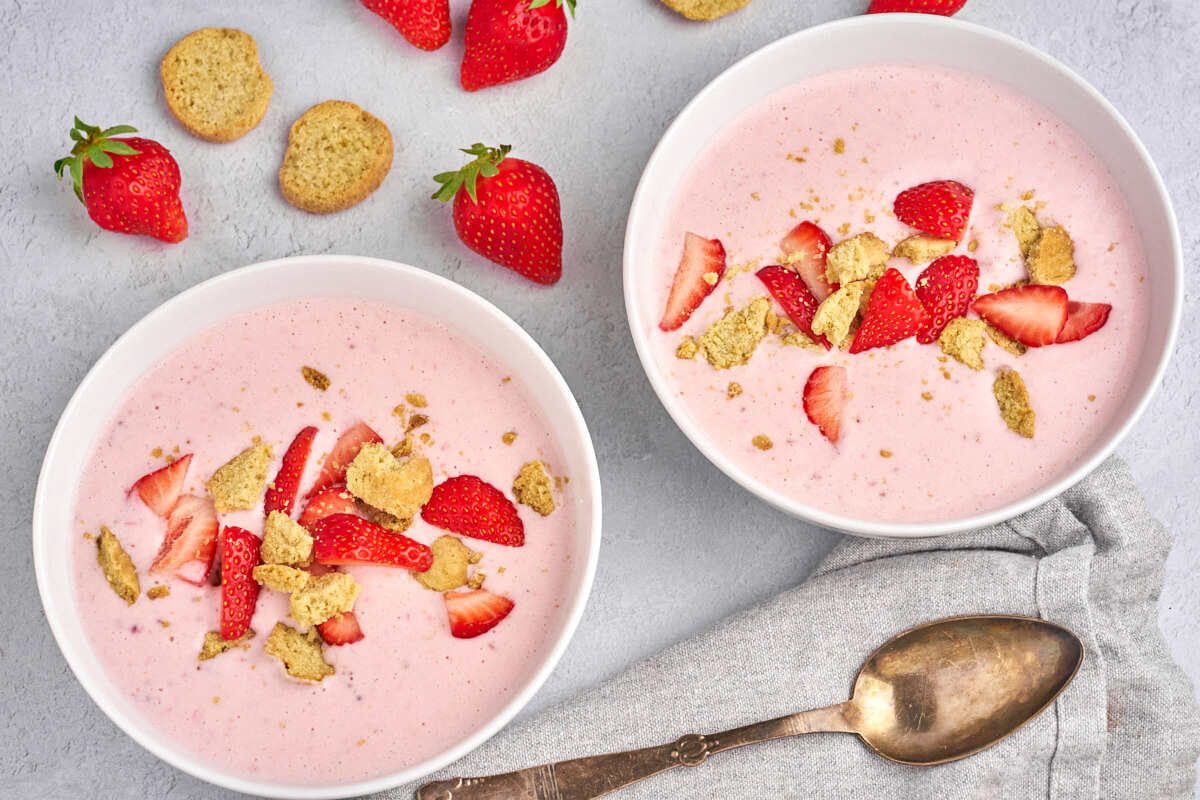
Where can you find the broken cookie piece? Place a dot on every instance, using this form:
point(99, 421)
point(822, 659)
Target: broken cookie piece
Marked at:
point(280, 578)
point(239, 484)
point(858, 257)
point(532, 488)
point(381, 480)
point(1027, 229)
point(732, 340)
point(315, 378)
point(963, 339)
point(214, 645)
point(1051, 258)
point(923, 248)
point(1004, 341)
point(1013, 399)
point(117, 566)
point(323, 596)
point(687, 349)
point(285, 541)
point(451, 559)
point(837, 312)
point(301, 653)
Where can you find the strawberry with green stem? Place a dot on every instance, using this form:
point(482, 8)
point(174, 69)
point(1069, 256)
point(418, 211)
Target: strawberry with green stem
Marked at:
point(128, 185)
point(510, 40)
point(507, 210)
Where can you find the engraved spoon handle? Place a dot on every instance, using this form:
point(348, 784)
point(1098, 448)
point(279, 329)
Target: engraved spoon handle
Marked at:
point(596, 776)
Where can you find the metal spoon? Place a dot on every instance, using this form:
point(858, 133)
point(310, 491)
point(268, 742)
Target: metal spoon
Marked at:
point(936, 693)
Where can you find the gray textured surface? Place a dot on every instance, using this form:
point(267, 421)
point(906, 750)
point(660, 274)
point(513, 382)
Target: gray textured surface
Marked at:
point(591, 121)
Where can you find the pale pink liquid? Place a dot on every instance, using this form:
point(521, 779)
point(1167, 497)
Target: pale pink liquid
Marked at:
point(904, 125)
point(408, 690)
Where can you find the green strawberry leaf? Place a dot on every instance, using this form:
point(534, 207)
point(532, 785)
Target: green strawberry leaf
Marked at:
point(485, 164)
point(92, 144)
point(557, 4)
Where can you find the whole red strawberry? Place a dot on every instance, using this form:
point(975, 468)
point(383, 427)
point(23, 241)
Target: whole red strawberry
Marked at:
point(127, 185)
point(510, 40)
point(507, 210)
point(424, 23)
point(945, 8)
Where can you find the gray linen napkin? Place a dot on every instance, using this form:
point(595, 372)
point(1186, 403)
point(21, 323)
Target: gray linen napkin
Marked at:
point(1091, 560)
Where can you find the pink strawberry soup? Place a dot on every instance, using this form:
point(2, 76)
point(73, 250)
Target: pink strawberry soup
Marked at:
point(922, 438)
point(408, 690)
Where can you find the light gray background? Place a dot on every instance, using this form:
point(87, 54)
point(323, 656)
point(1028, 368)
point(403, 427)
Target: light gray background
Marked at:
point(683, 546)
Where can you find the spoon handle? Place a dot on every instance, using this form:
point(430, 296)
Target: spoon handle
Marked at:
point(596, 776)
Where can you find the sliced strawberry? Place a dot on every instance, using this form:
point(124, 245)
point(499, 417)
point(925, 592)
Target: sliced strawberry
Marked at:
point(797, 301)
point(1034, 315)
point(824, 398)
point(347, 447)
point(941, 208)
point(945, 8)
point(334, 500)
point(344, 539)
point(191, 541)
point(475, 613)
point(700, 270)
point(239, 590)
point(341, 629)
point(161, 489)
point(946, 288)
point(1083, 319)
point(471, 507)
point(281, 492)
point(812, 244)
point(894, 313)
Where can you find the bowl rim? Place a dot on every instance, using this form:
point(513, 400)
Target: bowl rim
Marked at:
point(574, 434)
point(638, 218)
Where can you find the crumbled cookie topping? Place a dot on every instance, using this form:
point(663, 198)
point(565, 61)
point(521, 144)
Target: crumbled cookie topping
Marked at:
point(323, 596)
point(1013, 398)
point(117, 566)
point(923, 248)
point(762, 442)
point(836, 313)
point(732, 340)
point(300, 653)
point(532, 487)
point(509, 437)
point(451, 559)
point(285, 541)
point(1051, 258)
point(379, 479)
point(963, 339)
point(214, 645)
point(858, 257)
point(239, 484)
point(687, 348)
point(315, 378)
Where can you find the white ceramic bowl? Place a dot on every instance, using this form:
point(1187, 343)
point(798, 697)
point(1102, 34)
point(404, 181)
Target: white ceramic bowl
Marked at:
point(232, 293)
point(919, 39)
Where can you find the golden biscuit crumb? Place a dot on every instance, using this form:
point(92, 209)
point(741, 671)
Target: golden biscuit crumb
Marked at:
point(315, 378)
point(964, 340)
point(157, 452)
point(1091, 398)
point(450, 561)
point(532, 488)
point(762, 442)
point(1013, 399)
point(1051, 258)
point(476, 580)
point(416, 400)
point(836, 313)
point(1026, 228)
point(382, 518)
point(164, 623)
point(885, 453)
point(687, 348)
point(1004, 341)
point(285, 541)
point(926, 396)
point(214, 645)
point(322, 597)
point(509, 437)
point(117, 566)
point(733, 391)
point(239, 484)
point(923, 248)
point(325, 415)
point(732, 340)
point(300, 653)
point(157, 592)
point(839, 145)
point(475, 558)
point(379, 479)
point(972, 245)
point(404, 447)
point(858, 257)
point(280, 578)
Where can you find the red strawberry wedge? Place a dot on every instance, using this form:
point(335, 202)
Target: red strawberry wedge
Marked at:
point(341, 629)
point(471, 507)
point(797, 301)
point(1034, 315)
point(946, 288)
point(239, 590)
point(334, 500)
point(893, 314)
point(347, 540)
point(281, 492)
point(824, 399)
point(945, 8)
point(700, 270)
point(161, 489)
point(807, 245)
point(940, 208)
point(1083, 319)
point(190, 543)
point(424, 23)
point(347, 447)
point(475, 613)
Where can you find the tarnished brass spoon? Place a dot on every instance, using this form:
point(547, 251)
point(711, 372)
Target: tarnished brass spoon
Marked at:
point(936, 693)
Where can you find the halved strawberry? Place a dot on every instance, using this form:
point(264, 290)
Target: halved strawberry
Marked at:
point(161, 489)
point(474, 613)
point(344, 539)
point(893, 313)
point(812, 244)
point(281, 492)
point(191, 540)
point(239, 590)
point(824, 398)
point(341, 629)
point(700, 270)
point(1083, 319)
point(1034, 315)
point(347, 447)
point(941, 208)
point(471, 507)
point(334, 500)
point(946, 288)
point(797, 301)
